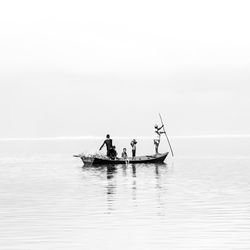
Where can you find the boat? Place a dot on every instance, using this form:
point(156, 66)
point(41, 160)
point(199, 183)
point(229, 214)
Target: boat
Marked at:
point(104, 160)
point(98, 159)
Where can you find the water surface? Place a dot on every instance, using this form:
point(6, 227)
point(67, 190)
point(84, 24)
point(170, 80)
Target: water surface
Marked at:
point(198, 200)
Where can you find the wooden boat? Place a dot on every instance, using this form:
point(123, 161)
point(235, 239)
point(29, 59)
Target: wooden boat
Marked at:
point(104, 160)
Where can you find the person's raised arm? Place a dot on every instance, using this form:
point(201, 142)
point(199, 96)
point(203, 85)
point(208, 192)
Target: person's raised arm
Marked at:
point(160, 127)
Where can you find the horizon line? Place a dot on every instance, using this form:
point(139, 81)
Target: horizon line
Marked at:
point(121, 137)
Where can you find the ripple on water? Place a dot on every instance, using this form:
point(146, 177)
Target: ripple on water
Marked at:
point(191, 204)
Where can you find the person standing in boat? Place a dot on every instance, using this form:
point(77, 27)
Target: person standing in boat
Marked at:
point(133, 145)
point(157, 138)
point(109, 145)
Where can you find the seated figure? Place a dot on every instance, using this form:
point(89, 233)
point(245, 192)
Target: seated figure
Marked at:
point(112, 153)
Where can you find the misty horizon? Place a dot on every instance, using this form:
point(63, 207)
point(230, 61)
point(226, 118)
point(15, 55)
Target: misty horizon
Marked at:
point(94, 68)
point(122, 137)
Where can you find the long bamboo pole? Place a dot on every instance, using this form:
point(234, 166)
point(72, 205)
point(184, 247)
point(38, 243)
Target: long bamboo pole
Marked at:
point(166, 136)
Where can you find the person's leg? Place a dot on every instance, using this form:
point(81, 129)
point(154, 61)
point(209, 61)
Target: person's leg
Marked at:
point(133, 153)
point(108, 153)
point(156, 142)
point(155, 146)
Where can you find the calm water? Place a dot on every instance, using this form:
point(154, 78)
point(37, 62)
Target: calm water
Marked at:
point(199, 200)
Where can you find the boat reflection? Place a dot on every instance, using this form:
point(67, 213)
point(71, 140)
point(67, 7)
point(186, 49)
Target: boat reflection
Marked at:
point(127, 177)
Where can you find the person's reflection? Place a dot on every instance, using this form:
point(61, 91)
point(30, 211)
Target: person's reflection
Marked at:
point(158, 168)
point(134, 182)
point(157, 177)
point(111, 186)
point(110, 171)
point(156, 171)
point(124, 170)
point(134, 170)
point(161, 187)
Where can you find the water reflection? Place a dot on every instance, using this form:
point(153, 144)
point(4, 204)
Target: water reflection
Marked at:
point(111, 187)
point(156, 170)
point(128, 176)
point(134, 170)
point(53, 203)
point(111, 170)
point(133, 181)
point(124, 170)
point(161, 171)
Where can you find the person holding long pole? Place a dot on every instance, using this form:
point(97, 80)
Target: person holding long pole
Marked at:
point(157, 139)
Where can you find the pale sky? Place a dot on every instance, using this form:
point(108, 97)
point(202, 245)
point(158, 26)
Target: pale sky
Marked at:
point(75, 68)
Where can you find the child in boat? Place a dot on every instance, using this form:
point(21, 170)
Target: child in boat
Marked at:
point(158, 137)
point(133, 145)
point(113, 153)
point(124, 153)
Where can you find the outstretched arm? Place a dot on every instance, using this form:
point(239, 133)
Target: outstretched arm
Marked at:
point(102, 145)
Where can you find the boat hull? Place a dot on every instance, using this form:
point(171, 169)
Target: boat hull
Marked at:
point(159, 158)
